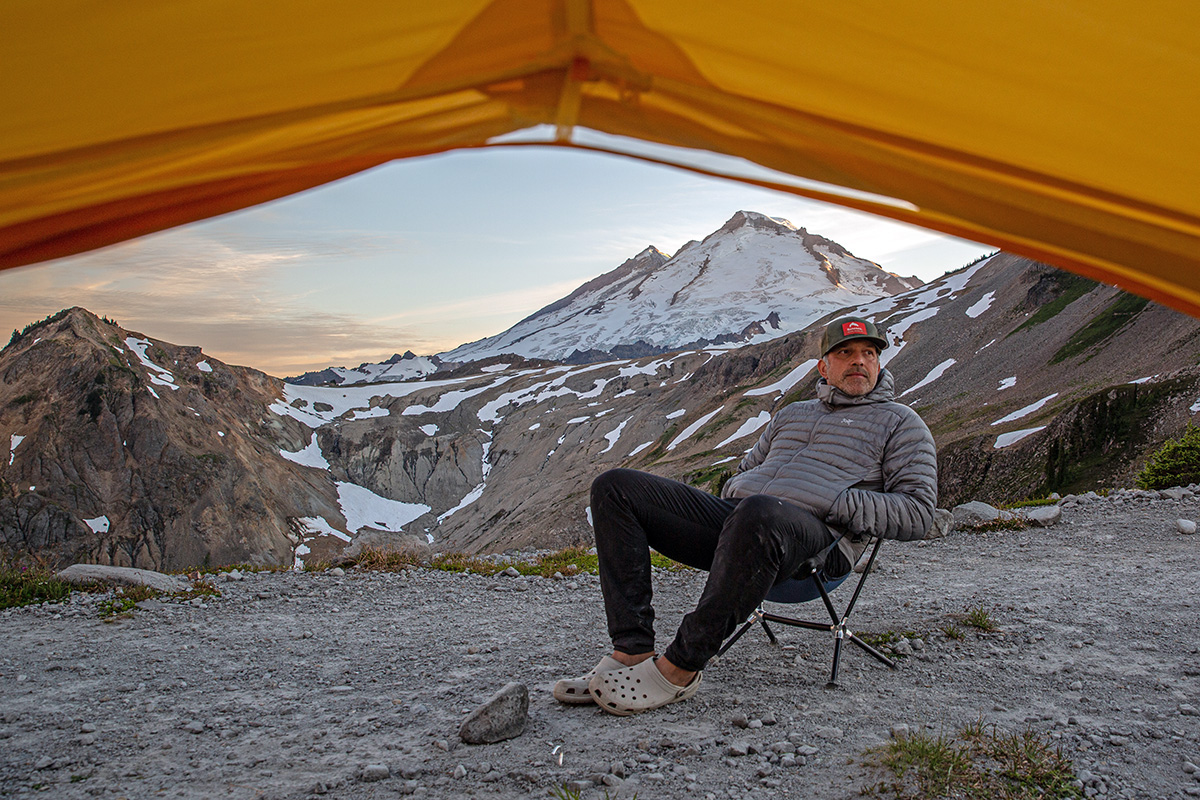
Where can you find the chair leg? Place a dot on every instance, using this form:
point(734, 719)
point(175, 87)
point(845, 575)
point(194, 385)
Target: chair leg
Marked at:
point(869, 649)
point(755, 617)
point(767, 628)
point(837, 659)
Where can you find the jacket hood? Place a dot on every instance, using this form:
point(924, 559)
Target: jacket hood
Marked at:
point(885, 390)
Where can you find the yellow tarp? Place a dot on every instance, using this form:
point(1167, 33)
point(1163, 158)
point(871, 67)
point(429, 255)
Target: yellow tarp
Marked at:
point(1067, 131)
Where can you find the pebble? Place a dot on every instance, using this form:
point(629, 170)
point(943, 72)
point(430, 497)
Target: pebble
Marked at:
point(460, 772)
point(740, 721)
point(503, 716)
point(737, 749)
point(375, 772)
point(337, 572)
point(1186, 526)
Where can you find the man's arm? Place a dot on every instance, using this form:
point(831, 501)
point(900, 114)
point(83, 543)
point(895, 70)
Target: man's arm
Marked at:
point(904, 509)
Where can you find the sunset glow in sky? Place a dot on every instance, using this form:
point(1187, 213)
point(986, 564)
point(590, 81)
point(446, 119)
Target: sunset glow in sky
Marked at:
point(422, 255)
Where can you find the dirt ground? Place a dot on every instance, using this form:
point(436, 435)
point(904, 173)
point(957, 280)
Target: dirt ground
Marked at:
point(294, 685)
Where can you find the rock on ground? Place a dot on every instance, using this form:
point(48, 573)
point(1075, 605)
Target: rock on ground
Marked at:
point(83, 574)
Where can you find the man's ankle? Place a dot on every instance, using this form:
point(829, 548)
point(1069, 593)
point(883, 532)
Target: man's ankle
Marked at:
point(673, 674)
point(630, 660)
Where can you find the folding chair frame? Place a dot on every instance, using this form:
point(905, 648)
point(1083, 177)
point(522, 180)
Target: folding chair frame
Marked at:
point(839, 625)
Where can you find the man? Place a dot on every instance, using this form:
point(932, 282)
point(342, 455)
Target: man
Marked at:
point(851, 462)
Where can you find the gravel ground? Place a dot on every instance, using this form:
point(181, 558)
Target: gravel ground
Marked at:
point(293, 685)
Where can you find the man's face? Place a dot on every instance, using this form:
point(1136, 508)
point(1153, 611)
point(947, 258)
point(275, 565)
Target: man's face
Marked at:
point(852, 366)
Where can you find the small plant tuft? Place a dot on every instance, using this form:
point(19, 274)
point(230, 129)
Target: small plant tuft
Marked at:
point(981, 619)
point(22, 585)
point(951, 631)
point(978, 764)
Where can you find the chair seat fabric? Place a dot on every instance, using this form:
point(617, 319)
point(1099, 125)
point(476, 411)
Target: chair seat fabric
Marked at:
point(801, 591)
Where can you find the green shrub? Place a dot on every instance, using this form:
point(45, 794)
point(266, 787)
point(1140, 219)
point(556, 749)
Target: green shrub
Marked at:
point(1176, 463)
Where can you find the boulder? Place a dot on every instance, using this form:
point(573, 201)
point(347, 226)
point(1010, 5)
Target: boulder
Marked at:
point(82, 574)
point(1043, 516)
point(1185, 526)
point(968, 515)
point(504, 716)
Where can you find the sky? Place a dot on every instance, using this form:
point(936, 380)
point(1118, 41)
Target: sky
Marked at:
point(423, 254)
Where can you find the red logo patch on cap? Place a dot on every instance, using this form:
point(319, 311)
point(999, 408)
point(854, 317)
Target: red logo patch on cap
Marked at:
point(854, 329)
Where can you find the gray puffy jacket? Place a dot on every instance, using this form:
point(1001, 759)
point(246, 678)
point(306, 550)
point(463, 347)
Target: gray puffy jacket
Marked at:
point(865, 465)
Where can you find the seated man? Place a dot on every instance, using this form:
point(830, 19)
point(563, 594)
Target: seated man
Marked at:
point(851, 462)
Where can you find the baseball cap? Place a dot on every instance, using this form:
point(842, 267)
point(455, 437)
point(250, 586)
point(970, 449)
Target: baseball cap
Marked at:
point(846, 328)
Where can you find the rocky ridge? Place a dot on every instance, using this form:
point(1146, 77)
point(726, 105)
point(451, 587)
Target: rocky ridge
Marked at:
point(1023, 373)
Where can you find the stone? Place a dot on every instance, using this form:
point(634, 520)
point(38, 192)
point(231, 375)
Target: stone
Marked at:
point(899, 732)
point(1186, 526)
point(740, 721)
point(1175, 493)
point(969, 515)
point(1043, 516)
point(375, 772)
point(460, 772)
point(503, 716)
point(943, 521)
point(511, 572)
point(82, 574)
point(737, 749)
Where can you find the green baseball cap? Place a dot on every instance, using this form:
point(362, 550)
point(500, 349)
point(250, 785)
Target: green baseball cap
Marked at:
point(847, 328)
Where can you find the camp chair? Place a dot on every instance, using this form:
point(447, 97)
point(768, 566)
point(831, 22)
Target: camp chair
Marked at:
point(807, 584)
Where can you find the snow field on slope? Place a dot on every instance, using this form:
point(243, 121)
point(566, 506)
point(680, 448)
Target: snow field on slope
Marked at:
point(785, 384)
point(310, 456)
point(748, 427)
point(14, 440)
point(933, 375)
point(1012, 437)
point(687, 432)
point(362, 508)
point(1026, 411)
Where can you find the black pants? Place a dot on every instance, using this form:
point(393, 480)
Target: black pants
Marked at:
point(747, 546)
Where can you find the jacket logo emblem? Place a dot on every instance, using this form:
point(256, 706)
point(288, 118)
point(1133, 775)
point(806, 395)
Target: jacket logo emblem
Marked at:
point(846, 421)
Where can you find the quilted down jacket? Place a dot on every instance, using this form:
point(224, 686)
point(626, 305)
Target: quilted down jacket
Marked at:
point(866, 465)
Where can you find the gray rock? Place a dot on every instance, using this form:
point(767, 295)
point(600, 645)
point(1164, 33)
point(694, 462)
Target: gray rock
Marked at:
point(511, 572)
point(741, 721)
point(1043, 516)
point(460, 772)
point(375, 772)
point(968, 515)
point(1186, 526)
point(737, 749)
point(82, 574)
point(503, 716)
point(899, 732)
point(942, 522)
point(1175, 493)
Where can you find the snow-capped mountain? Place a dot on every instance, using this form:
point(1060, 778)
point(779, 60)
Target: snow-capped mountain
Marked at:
point(754, 279)
point(407, 367)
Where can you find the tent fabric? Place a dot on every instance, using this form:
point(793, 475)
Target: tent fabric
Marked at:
point(1065, 131)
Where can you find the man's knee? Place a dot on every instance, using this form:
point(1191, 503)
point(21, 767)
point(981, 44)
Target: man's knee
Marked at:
point(611, 483)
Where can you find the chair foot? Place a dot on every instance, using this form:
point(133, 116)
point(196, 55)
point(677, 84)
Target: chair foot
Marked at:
point(832, 685)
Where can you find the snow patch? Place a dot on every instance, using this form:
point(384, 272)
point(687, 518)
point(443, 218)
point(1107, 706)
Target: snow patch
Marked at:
point(374, 411)
point(204, 366)
point(690, 429)
point(158, 375)
point(99, 524)
point(748, 427)
point(639, 449)
point(615, 434)
point(984, 303)
point(933, 375)
point(677, 414)
point(429, 430)
point(1026, 411)
point(310, 456)
point(785, 384)
point(12, 447)
point(363, 508)
point(1007, 383)
point(1012, 437)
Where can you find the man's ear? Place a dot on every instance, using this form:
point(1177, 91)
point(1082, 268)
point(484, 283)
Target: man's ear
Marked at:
point(821, 368)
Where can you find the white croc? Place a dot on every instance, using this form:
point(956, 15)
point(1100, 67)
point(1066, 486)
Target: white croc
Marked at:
point(638, 688)
point(574, 691)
